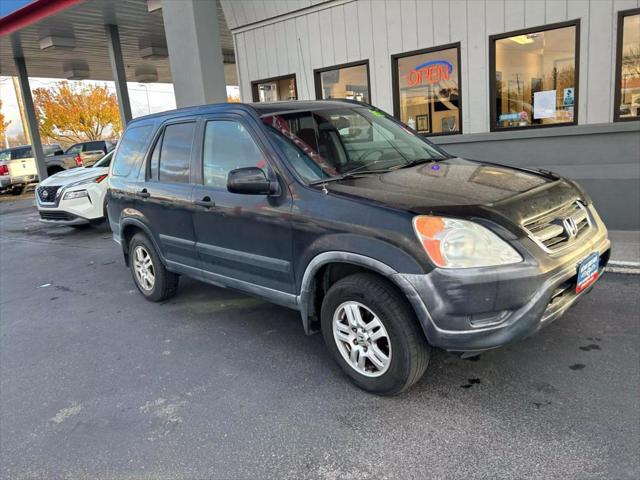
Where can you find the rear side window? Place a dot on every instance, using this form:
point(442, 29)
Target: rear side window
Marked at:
point(19, 153)
point(73, 149)
point(175, 153)
point(92, 146)
point(131, 150)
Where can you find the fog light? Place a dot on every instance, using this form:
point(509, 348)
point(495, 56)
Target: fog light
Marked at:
point(489, 319)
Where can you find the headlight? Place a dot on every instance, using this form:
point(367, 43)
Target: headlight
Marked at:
point(453, 243)
point(75, 194)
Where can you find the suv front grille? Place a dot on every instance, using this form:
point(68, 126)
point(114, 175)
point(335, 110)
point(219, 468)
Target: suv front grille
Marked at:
point(47, 194)
point(561, 227)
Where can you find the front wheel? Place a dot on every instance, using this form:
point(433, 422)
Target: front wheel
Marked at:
point(373, 334)
point(153, 280)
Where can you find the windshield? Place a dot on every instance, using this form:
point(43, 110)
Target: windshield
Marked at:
point(104, 161)
point(329, 143)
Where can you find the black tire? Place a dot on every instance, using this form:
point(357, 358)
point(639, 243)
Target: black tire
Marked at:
point(165, 284)
point(17, 191)
point(408, 346)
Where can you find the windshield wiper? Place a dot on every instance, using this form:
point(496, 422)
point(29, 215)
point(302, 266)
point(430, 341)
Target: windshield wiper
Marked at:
point(414, 162)
point(350, 174)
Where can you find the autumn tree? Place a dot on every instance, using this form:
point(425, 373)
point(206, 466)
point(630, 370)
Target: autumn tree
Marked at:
point(3, 125)
point(75, 113)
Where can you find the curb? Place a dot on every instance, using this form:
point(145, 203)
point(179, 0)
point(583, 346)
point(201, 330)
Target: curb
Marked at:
point(619, 266)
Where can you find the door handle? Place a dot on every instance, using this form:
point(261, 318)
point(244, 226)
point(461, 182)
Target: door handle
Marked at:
point(143, 193)
point(205, 202)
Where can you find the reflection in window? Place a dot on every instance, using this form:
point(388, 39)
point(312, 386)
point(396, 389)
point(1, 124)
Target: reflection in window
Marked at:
point(175, 152)
point(282, 88)
point(629, 64)
point(428, 91)
point(227, 146)
point(535, 78)
point(332, 141)
point(131, 149)
point(346, 82)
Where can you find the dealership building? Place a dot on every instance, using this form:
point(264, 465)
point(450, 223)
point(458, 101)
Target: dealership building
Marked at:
point(551, 84)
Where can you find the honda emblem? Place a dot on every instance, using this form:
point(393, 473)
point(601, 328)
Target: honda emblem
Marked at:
point(570, 227)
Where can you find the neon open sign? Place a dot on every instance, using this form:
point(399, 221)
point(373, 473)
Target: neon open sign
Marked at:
point(430, 72)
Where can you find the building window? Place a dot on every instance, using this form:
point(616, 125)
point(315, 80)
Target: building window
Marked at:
point(534, 77)
point(349, 81)
point(426, 90)
point(274, 89)
point(627, 96)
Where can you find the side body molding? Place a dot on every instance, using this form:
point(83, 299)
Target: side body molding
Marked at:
point(306, 289)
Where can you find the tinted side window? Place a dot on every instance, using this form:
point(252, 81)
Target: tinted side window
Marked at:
point(73, 149)
point(175, 152)
point(131, 150)
point(19, 153)
point(227, 145)
point(91, 146)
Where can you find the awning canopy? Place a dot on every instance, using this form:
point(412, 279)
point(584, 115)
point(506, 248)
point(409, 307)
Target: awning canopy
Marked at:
point(67, 39)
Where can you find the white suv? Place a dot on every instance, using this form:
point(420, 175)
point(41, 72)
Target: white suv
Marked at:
point(74, 197)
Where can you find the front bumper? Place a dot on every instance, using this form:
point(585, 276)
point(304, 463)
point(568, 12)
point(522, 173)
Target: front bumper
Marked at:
point(472, 310)
point(60, 217)
point(74, 211)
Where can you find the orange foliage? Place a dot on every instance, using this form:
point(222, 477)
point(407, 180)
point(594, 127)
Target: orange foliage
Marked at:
point(75, 113)
point(3, 124)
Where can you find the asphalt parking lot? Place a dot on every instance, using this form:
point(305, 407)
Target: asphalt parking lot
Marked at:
point(96, 382)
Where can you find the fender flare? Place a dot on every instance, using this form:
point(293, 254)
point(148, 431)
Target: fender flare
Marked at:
point(129, 221)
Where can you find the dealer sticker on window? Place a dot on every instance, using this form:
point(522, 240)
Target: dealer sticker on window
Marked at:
point(588, 271)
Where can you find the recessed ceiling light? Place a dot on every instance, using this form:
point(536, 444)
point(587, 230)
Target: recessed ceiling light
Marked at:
point(78, 70)
point(52, 41)
point(154, 53)
point(146, 74)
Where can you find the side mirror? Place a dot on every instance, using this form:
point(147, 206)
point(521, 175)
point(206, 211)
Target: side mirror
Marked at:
point(250, 181)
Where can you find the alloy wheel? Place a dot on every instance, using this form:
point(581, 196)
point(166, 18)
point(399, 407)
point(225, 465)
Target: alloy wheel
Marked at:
point(143, 268)
point(362, 339)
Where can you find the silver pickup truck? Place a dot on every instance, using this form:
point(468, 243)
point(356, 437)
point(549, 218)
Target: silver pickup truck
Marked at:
point(20, 166)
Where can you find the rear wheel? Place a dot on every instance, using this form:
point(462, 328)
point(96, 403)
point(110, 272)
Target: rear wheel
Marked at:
point(17, 191)
point(373, 334)
point(151, 277)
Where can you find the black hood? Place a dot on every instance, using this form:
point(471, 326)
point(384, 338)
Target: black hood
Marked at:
point(455, 185)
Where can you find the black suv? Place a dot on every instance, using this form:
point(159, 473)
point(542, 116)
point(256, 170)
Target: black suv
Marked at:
point(382, 241)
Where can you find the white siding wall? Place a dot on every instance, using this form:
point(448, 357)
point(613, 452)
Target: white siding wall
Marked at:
point(275, 38)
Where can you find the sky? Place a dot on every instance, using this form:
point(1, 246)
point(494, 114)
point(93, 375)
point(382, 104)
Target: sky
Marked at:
point(160, 98)
point(10, 6)
point(145, 98)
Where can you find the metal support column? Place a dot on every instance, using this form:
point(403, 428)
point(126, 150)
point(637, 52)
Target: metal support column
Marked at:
point(32, 120)
point(119, 74)
point(195, 51)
